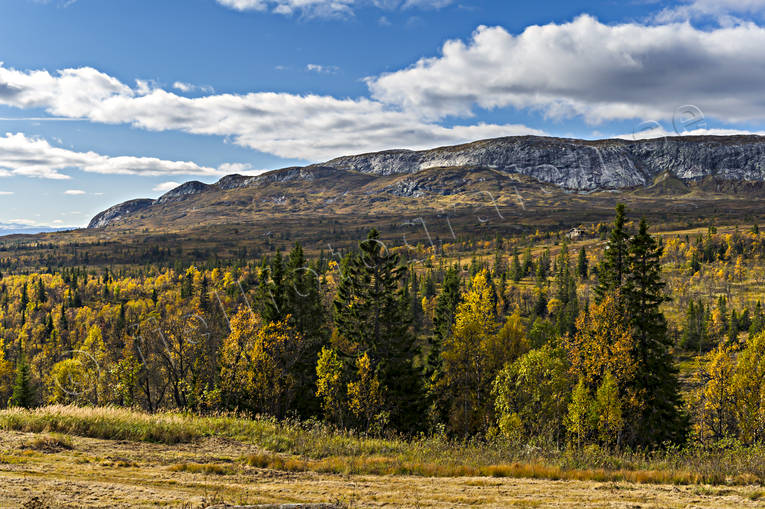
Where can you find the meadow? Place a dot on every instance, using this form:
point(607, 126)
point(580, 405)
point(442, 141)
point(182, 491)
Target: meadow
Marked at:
point(116, 457)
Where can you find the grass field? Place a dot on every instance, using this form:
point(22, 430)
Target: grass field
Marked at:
point(82, 457)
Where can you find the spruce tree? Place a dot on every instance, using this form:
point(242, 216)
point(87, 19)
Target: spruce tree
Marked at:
point(40, 290)
point(302, 302)
point(23, 392)
point(758, 321)
point(446, 304)
point(24, 298)
point(661, 418)
point(614, 265)
point(517, 270)
point(368, 314)
point(528, 263)
point(566, 294)
point(582, 264)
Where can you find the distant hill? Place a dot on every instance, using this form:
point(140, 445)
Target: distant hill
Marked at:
point(20, 229)
point(535, 170)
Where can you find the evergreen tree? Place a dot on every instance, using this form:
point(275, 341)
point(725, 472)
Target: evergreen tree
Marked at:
point(614, 265)
point(528, 263)
point(694, 335)
point(661, 418)
point(517, 270)
point(428, 285)
point(733, 327)
point(204, 298)
point(41, 295)
point(415, 302)
point(306, 313)
point(758, 320)
point(566, 294)
point(23, 392)
point(368, 314)
point(582, 264)
point(499, 263)
point(271, 299)
point(24, 297)
point(446, 304)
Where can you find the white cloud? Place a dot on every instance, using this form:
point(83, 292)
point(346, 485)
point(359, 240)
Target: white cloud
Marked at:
point(327, 8)
point(190, 87)
point(241, 169)
point(581, 68)
point(35, 157)
point(322, 69)
point(724, 11)
point(165, 186)
point(584, 67)
point(74, 192)
point(309, 8)
point(6, 193)
point(295, 126)
point(652, 132)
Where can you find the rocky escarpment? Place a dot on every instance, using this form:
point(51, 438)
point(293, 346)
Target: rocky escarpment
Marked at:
point(182, 191)
point(569, 164)
point(114, 214)
point(581, 165)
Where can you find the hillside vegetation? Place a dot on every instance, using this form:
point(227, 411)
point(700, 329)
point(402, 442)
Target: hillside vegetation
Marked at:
point(602, 354)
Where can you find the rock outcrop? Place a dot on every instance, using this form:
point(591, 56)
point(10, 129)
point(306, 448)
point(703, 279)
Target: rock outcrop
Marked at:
point(114, 214)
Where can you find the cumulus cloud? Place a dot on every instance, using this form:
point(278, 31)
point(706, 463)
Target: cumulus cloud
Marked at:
point(74, 192)
point(165, 186)
point(310, 127)
point(36, 157)
point(6, 193)
point(724, 11)
point(327, 8)
point(585, 67)
point(581, 68)
point(190, 87)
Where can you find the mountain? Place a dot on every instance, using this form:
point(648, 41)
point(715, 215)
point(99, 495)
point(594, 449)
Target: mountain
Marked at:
point(22, 229)
point(529, 168)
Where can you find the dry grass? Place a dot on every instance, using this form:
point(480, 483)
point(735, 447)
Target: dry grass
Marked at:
point(213, 470)
point(303, 447)
point(203, 468)
point(50, 443)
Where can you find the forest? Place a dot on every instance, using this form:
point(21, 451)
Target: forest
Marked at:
point(616, 338)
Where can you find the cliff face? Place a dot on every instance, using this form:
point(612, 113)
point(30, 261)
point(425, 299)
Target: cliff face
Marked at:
point(114, 214)
point(569, 164)
point(583, 165)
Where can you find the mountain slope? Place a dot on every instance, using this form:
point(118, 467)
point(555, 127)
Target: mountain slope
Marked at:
point(538, 166)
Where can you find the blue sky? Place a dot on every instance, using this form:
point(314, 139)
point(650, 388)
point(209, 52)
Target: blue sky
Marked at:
point(107, 100)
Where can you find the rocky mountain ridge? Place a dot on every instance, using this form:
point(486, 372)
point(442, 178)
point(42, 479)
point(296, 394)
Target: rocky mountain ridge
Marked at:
point(568, 164)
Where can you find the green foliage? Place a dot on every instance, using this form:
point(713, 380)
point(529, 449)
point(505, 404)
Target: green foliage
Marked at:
point(467, 364)
point(613, 267)
point(329, 384)
point(531, 395)
point(580, 419)
point(661, 418)
point(749, 386)
point(23, 391)
point(582, 264)
point(372, 317)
